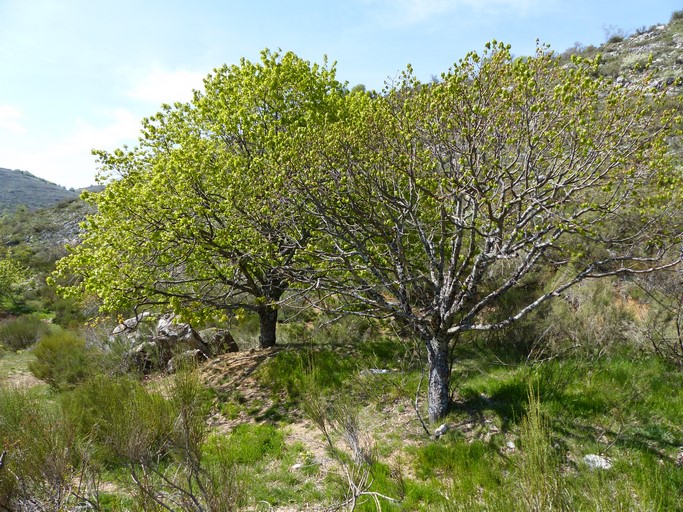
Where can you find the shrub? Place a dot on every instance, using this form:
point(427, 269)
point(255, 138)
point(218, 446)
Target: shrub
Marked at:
point(126, 421)
point(40, 468)
point(62, 360)
point(676, 16)
point(22, 332)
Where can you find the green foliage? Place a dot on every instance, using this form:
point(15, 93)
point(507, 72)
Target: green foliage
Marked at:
point(62, 360)
point(125, 420)
point(13, 278)
point(248, 444)
point(20, 333)
point(676, 16)
point(539, 475)
point(197, 220)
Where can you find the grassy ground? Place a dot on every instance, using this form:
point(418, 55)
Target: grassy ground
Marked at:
point(302, 426)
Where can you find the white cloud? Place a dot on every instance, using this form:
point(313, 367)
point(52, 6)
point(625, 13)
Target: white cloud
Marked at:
point(67, 159)
point(162, 86)
point(9, 119)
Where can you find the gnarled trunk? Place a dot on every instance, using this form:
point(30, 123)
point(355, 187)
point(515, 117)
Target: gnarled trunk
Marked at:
point(268, 326)
point(439, 395)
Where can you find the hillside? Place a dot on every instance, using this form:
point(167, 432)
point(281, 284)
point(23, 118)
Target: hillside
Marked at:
point(23, 188)
point(628, 58)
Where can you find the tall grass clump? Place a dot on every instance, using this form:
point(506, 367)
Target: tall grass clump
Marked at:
point(538, 471)
point(159, 438)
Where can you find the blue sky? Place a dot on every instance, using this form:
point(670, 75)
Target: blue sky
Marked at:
point(81, 74)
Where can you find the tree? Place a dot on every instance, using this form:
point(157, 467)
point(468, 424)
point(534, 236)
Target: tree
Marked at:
point(196, 218)
point(12, 280)
point(437, 201)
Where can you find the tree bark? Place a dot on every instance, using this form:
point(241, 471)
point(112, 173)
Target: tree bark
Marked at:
point(439, 396)
point(268, 326)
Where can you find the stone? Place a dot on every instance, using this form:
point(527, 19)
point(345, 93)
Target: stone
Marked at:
point(511, 445)
point(145, 357)
point(219, 341)
point(130, 324)
point(597, 461)
point(440, 431)
point(169, 335)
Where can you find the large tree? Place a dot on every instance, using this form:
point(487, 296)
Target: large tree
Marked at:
point(193, 217)
point(436, 201)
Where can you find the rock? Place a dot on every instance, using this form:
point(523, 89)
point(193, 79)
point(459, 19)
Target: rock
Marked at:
point(219, 341)
point(170, 334)
point(130, 324)
point(597, 461)
point(511, 445)
point(440, 431)
point(145, 357)
point(296, 467)
point(187, 359)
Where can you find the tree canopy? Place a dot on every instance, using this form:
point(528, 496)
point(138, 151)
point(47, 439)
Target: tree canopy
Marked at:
point(13, 278)
point(438, 200)
point(194, 217)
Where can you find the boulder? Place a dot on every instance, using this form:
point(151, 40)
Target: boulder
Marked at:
point(169, 335)
point(130, 324)
point(219, 341)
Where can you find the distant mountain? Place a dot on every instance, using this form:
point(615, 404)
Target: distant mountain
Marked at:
point(23, 188)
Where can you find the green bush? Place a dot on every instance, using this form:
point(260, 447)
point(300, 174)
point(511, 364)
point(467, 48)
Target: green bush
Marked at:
point(122, 418)
point(22, 332)
point(62, 360)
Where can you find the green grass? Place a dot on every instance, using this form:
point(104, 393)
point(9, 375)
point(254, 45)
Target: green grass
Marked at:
point(624, 405)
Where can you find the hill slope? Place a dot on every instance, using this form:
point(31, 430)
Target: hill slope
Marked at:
point(20, 187)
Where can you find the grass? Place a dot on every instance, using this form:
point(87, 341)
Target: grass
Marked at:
point(518, 432)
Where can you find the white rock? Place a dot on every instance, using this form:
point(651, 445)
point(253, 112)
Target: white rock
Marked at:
point(597, 462)
point(296, 466)
point(511, 445)
point(441, 431)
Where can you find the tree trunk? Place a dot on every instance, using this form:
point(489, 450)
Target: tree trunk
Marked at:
point(268, 323)
point(439, 395)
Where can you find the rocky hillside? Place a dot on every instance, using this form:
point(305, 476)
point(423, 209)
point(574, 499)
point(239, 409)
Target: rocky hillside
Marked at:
point(629, 58)
point(23, 188)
